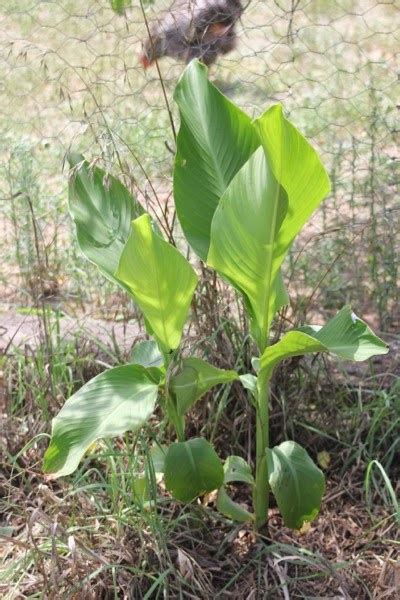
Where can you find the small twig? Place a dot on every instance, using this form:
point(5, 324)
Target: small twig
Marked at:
point(146, 22)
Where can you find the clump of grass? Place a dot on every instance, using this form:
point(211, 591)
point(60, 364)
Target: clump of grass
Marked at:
point(94, 536)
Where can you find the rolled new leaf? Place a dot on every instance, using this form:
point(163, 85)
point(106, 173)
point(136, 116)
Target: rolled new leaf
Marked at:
point(192, 469)
point(346, 336)
point(102, 209)
point(194, 379)
point(215, 140)
point(115, 401)
point(296, 482)
point(160, 279)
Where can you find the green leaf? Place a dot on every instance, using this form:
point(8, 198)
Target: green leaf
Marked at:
point(147, 354)
point(232, 509)
point(260, 214)
point(115, 401)
point(243, 231)
point(119, 6)
point(298, 168)
point(296, 482)
point(192, 468)
point(102, 209)
point(160, 280)
point(237, 469)
point(195, 378)
point(215, 140)
point(345, 335)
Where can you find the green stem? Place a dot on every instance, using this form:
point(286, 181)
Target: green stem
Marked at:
point(178, 421)
point(179, 424)
point(261, 489)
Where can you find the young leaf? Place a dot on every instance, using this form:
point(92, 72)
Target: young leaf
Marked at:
point(215, 140)
point(160, 279)
point(102, 209)
point(192, 468)
point(296, 482)
point(195, 378)
point(243, 233)
point(115, 401)
point(345, 335)
point(147, 354)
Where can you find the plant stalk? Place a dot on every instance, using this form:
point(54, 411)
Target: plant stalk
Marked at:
point(261, 489)
point(178, 421)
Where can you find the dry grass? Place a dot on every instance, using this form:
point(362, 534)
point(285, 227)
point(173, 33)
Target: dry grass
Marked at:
point(89, 538)
point(64, 546)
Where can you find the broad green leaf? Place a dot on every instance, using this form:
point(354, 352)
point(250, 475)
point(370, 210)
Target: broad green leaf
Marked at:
point(195, 378)
point(237, 469)
point(345, 335)
point(192, 468)
point(296, 482)
point(232, 509)
point(243, 231)
point(299, 170)
point(160, 279)
point(215, 140)
point(147, 354)
point(102, 209)
point(260, 214)
point(115, 401)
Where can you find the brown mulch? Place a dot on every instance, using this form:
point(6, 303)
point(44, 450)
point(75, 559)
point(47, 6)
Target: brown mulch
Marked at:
point(346, 553)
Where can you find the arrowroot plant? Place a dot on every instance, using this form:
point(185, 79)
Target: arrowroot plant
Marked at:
point(243, 190)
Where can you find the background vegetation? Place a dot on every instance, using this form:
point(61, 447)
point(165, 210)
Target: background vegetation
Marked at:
point(70, 78)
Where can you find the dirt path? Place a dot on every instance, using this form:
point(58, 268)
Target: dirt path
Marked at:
point(18, 330)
